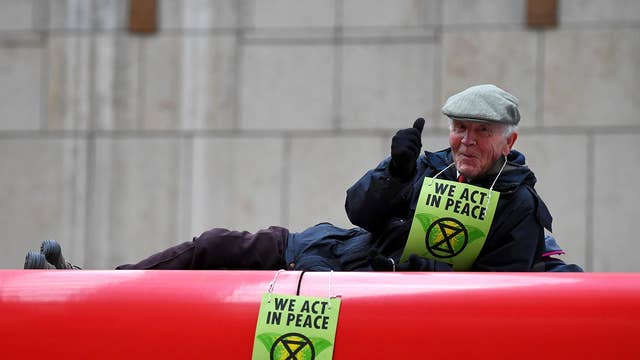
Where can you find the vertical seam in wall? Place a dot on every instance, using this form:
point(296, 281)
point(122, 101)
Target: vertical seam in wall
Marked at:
point(539, 107)
point(590, 206)
point(337, 65)
point(141, 81)
point(36, 15)
point(72, 121)
point(240, 48)
point(238, 52)
point(285, 189)
point(68, 204)
point(89, 190)
point(190, 179)
point(115, 143)
point(185, 187)
point(43, 113)
point(90, 130)
point(92, 80)
point(437, 64)
point(176, 117)
point(437, 76)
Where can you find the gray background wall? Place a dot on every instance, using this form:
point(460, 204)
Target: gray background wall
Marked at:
point(245, 114)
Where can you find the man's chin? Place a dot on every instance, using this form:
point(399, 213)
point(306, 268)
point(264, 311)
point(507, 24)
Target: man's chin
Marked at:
point(466, 170)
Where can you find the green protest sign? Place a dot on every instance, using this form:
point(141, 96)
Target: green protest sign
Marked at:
point(296, 327)
point(451, 222)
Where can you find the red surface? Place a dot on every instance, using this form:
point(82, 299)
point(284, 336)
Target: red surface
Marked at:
point(212, 314)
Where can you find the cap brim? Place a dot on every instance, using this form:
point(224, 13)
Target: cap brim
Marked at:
point(484, 121)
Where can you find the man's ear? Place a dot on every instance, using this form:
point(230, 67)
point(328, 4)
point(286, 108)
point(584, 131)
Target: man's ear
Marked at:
point(511, 139)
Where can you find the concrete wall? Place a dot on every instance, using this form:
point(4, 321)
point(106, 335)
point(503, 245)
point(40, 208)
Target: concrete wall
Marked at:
point(245, 114)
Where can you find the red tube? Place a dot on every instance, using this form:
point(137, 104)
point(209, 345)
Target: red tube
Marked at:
point(212, 314)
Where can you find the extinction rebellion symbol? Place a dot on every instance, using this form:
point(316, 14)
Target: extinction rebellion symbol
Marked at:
point(446, 238)
point(293, 346)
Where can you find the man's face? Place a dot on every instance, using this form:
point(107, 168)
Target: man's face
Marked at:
point(477, 146)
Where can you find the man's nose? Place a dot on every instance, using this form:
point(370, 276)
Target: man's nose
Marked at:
point(468, 138)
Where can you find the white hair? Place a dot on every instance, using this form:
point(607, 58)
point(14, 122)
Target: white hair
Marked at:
point(509, 129)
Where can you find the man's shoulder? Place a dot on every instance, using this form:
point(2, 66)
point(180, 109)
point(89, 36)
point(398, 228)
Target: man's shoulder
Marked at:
point(437, 160)
point(525, 200)
point(521, 192)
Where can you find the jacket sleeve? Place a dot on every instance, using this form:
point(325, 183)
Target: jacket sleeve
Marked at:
point(552, 264)
point(517, 251)
point(518, 239)
point(376, 198)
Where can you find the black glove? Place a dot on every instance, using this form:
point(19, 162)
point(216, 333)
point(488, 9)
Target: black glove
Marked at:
point(379, 262)
point(405, 149)
point(415, 263)
point(418, 263)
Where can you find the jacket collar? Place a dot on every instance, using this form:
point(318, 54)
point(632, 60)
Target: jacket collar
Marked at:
point(515, 173)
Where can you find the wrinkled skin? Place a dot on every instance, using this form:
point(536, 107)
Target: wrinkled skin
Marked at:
point(477, 146)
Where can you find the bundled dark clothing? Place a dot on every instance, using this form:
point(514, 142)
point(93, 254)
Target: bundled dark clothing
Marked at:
point(516, 237)
point(516, 241)
point(321, 247)
point(383, 208)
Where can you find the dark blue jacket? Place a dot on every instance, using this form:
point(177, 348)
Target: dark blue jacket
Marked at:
point(326, 247)
point(384, 206)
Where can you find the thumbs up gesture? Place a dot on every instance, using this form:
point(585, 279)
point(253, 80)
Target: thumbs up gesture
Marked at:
point(405, 149)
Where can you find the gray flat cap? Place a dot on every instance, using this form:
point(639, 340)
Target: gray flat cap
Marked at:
point(484, 103)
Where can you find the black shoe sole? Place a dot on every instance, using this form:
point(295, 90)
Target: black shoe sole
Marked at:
point(52, 253)
point(34, 260)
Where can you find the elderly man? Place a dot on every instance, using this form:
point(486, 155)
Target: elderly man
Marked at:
point(483, 123)
point(383, 204)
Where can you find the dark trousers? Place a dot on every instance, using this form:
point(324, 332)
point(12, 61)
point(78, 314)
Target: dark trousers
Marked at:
point(222, 249)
